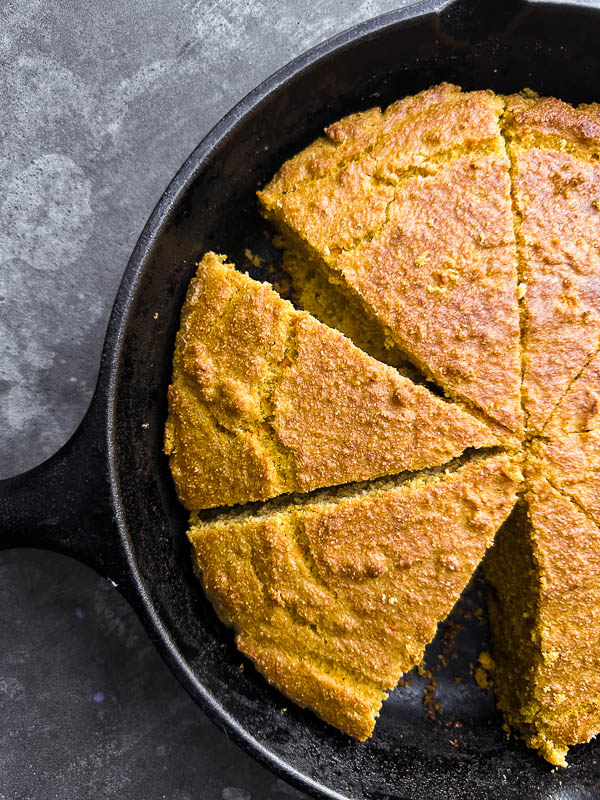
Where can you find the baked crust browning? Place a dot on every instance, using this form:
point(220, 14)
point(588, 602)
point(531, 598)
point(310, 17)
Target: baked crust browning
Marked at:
point(441, 277)
point(571, 463)
point(408, 134)
point(545, 617)
point(579, 410)
point(346, 417)
point(456, 236)
point(333, 618)
point(418, 228)
point(265, 399)
point(556, 189)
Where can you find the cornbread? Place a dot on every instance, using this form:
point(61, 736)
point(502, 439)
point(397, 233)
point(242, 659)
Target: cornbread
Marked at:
point(334, 598)
point(314, 292)
point(414, 221)
point(579, 410)
point(451, 239)
point(554, 150)
point(571, 463)
point(545, 617)
point(265, 399)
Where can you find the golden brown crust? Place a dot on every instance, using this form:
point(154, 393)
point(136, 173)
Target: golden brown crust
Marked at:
point(210, 466)
point(266, 399)
point(571, 463)
point(333, 619)
point(350, 710)
point(362, 420)
point(419, 228)
point(579, 410)
point(552, 122)
point(441, 276)
point(337, 211)
point(408, 134)
point(568, 676)
point(551, 146)
point(228, 353)
point(313, 292)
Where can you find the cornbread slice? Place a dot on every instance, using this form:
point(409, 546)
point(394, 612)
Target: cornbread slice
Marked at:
point(409, 211)
point(579, 410)
point(571, 463)
point(554, 150)
point(315, 293)
point(545, 618)
point(265, 399)
point(334, 598)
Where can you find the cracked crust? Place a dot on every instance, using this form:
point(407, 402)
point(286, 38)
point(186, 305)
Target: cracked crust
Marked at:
point(266, 399)
point(333, 619)
point(418, 228)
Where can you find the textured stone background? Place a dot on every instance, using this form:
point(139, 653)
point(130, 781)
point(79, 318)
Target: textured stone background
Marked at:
point(100, 103)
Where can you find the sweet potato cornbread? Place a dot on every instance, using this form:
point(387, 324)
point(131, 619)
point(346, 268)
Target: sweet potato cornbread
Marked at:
point(334, 598)
point(454, 238)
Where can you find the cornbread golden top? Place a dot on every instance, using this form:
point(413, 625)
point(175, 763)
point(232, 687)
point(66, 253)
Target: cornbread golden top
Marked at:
point(454, 236)
point(571, 463)
point(265, 399)
point(417, 224)
point(554, 149)
point(335, 598)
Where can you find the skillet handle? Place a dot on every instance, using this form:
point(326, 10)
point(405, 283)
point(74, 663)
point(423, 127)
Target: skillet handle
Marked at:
point(65, 504)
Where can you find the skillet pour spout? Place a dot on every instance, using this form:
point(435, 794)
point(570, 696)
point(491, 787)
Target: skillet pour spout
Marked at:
point(107, 497)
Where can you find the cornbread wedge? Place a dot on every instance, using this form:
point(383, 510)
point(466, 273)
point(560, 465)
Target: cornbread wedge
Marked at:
point(554, 150)
point(333, 598)
point(409, 212)
point(545, 616)
point(265, 399)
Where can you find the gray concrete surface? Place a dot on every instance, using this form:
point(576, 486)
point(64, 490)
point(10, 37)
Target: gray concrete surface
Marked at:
point(100, 103)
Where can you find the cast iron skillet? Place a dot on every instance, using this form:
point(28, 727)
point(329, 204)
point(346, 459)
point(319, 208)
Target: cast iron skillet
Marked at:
point(107, 498)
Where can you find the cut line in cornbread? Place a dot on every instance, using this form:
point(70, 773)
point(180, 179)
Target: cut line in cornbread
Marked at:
point(554, 150)
point(571, 463)
point(265, 399)
point(579, 410)
point(333, 598)
point(409, 212)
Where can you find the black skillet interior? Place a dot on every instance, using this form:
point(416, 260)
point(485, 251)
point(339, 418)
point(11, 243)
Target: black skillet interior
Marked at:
point(456, 749)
